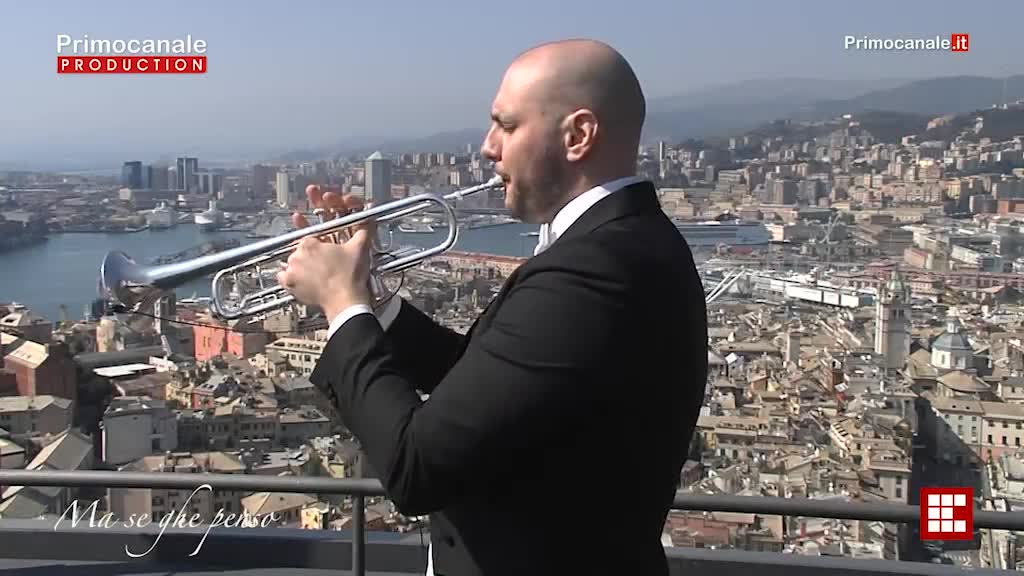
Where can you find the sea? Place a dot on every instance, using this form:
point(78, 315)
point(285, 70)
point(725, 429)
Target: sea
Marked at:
point(64, 270)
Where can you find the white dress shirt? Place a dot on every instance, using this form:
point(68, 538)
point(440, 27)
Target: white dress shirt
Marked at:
point(575, 208)
point(548, 234)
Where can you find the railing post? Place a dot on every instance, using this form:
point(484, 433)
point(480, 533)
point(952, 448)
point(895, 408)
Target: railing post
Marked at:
point(358, 535)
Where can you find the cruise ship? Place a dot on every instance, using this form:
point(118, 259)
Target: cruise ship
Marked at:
point(163, 216)
point(713, 233)
point(212, 219)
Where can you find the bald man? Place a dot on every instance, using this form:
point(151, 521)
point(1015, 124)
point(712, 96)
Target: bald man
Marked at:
point(555, 430)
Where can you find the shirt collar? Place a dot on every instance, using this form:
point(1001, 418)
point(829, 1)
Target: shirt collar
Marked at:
point(576, 207)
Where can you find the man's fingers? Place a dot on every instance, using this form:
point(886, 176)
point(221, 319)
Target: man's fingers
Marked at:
point(366, 229)
point(334, 201)
point(315, 195)
point(283, 279)
point(299, 220)
point(360, 237)
point(316, 192)
point(354, 202)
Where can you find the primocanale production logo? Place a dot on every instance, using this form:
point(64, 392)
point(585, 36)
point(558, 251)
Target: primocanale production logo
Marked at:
point(87, 55)
point(947, 513)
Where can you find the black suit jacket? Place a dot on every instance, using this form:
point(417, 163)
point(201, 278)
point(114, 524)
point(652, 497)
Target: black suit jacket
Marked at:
point(556, 429)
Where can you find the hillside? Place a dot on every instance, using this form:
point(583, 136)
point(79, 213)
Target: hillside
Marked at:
point(998, 124)
point(888, 127)
point(889, 108)
point(932, 97)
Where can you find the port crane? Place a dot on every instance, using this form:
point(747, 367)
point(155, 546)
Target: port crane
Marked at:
point(827, 239)
point(727, 282)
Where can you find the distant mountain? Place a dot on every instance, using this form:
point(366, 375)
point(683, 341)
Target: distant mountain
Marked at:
point(736, 107)
point(740, 107)
point(453, 141)
point(892, 107)
point(933, 97)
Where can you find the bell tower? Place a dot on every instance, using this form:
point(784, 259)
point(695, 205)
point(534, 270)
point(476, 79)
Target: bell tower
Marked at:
point(892, 323)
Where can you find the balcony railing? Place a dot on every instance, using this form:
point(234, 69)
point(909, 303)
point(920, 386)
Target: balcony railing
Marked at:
point(25, 542)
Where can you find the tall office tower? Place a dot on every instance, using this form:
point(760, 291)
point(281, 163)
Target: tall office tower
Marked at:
point(187, 169)
point(210, 183)
point(131, 175)
point(892, 323)
point(261, 177)
point(378, 179)
point(284, 195)
point(321, 175)
point(158, 178)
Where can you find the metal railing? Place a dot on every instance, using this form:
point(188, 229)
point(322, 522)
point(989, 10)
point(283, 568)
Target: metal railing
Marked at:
point(360, 489)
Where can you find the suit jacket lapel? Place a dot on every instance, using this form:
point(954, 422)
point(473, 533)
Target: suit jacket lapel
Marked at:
point(633, 199)
point(484, 319)
point(636, 198)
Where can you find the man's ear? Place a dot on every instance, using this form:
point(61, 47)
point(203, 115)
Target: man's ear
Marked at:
point(581, 129)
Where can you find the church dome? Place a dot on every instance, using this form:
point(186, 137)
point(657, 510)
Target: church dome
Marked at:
point(952, 351)
point(952, 340)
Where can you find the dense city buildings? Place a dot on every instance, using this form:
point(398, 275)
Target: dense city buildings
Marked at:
point(866, 332)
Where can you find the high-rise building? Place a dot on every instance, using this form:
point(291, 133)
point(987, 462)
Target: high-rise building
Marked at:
point(892, 323)
point(283, 189)
point(210, 183)
point(131, 175)
point(378, 179)
point(158, 178)
point(188, 168)
point(784, 191)
point(261, 177)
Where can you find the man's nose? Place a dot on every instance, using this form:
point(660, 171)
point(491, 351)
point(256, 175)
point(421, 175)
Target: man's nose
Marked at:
point(490, 148)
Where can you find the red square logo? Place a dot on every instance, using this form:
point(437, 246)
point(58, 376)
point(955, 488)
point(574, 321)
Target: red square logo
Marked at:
point(960, 42)
point(947, 513)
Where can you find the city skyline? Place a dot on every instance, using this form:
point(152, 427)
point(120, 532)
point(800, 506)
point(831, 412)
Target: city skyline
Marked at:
point(349, 73)
point(864, 287)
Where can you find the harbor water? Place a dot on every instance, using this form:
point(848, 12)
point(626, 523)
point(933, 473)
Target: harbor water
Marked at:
point(65, 268)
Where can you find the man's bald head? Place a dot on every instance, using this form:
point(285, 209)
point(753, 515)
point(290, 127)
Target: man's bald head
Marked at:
point(569, 75)
point(567, 117)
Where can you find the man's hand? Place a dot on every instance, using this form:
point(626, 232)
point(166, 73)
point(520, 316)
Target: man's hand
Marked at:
point(332, 273)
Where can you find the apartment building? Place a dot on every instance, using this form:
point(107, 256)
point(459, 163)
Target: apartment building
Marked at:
point(156, 503)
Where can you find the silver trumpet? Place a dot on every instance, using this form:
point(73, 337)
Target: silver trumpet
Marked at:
point(240, 287)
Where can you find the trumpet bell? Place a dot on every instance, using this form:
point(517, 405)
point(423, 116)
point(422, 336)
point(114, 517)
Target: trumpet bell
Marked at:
point(123, 281)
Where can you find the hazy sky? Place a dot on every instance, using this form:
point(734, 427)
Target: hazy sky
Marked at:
point(306, 73)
